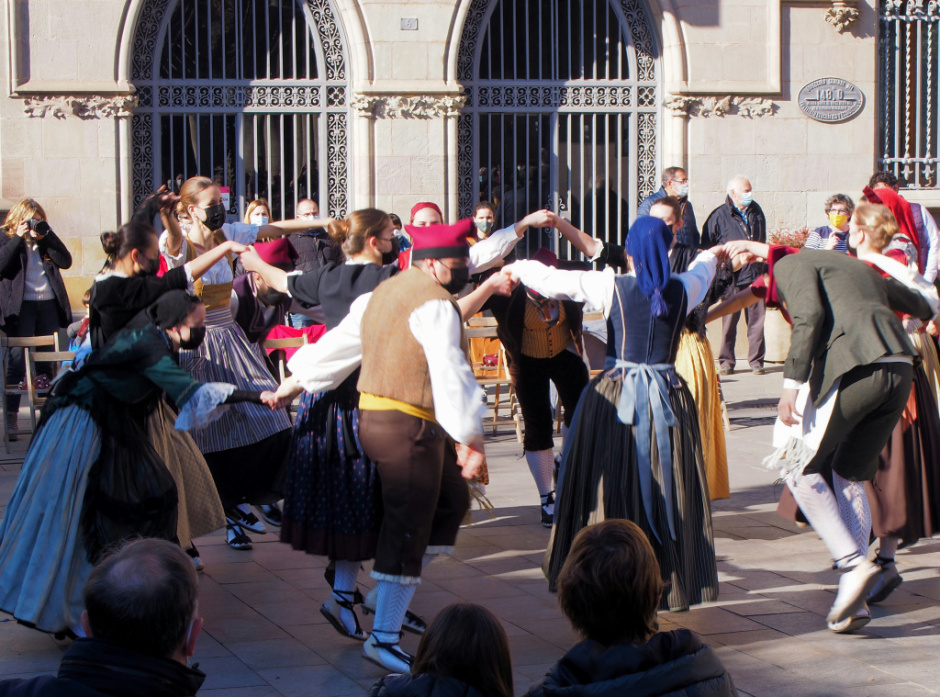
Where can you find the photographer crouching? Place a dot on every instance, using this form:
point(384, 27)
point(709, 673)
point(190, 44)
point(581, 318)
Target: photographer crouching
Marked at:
point(33, 300)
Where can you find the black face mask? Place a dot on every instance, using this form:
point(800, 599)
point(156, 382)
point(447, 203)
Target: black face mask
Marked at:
point(196, 335)
point(392, 256)
point(215, 216)
point(151, 270)
point(458, 279)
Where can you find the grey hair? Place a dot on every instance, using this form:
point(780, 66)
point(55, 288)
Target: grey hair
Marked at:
point(734, 180)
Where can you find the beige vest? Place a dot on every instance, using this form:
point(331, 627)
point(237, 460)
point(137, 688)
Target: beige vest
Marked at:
point(393, 362)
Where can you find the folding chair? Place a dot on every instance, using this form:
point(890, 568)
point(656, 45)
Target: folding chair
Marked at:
point(481, 333)
point(278, 345)
point(35, 398)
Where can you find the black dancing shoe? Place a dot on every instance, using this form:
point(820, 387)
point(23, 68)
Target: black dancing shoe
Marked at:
point(387, 654)
point(236, 538)
point(412, 622)
point(548, 509)
point(241, 515)
point(331, 611)
point(271, 514)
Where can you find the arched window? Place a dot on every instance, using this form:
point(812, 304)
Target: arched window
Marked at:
point(562, 112)
point(249, 92)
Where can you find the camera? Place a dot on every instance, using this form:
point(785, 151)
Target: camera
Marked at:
point(40, 227)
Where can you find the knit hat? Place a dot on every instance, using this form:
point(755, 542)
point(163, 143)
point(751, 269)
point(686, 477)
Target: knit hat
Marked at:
point(440, 241)
point(425, 204)
point(278, 252)
point(172, 308)
point(648, 243)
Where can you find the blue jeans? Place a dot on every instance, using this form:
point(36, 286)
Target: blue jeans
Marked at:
point(299, 321)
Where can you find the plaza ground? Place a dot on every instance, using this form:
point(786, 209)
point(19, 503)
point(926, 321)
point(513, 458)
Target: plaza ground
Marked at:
point(264, 635)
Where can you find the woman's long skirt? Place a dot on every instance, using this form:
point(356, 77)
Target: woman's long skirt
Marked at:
point(200, 511)
point(696, 364)
point(43, 564)
point(332, 496)
point(601, 480)
point(246, 449)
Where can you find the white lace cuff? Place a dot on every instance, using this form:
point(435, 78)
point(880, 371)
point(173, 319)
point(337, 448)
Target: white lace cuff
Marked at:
point(204, 407)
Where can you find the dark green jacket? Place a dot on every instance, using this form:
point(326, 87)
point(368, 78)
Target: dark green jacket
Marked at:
point(842, 312)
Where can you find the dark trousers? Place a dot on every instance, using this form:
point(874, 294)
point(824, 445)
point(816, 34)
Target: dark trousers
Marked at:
point(530, 377)
point(36, 318)
point(870, 402)
point(754, 316)
point(424, 495)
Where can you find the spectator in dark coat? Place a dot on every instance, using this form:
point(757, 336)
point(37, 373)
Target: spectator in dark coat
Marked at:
point(739, 218)
point(609, 589)
point(33, 300)
point(464, 653)
point(676, 184)
point(141, 625)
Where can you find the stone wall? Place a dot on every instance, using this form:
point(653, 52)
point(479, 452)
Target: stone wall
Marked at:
point(731, 71)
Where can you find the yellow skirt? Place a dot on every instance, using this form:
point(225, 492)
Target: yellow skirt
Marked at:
point(696, 364)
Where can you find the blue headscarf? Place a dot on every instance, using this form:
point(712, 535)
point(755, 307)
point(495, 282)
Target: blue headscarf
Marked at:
point(648, 243)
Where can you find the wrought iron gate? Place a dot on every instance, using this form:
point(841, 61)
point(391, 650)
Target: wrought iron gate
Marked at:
point(562, 111)
point(250, 92)
point(909, 90)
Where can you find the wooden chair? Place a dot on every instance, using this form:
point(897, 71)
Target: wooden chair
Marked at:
point(35, 398)
point(278, 345)
point(481, 334)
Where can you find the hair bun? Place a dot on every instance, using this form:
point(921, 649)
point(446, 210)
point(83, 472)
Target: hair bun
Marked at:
point(338, 230)
point(110, 242)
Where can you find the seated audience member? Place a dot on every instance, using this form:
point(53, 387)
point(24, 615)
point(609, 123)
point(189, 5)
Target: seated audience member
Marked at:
point(464, 653)
point(141, 625)
point(609, 589)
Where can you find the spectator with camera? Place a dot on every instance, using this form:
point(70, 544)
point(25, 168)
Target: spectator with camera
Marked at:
point(141, 626)
point(33, 300)
point(609, 590)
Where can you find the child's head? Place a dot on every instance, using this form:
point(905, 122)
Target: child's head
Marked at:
point(467, 642)
point(610, 585)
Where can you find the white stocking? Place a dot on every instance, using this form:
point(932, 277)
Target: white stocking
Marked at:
point(818, 504)
point(541, 463)
point(392, 600)
point(344, 588)
point(853, 506)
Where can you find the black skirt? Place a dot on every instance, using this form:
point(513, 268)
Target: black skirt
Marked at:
point(600, 480)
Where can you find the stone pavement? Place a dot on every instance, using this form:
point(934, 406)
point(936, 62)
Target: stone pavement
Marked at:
point(265, 637)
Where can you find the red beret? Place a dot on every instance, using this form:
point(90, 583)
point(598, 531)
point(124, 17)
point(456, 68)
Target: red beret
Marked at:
point(441, 241)
point(425, 204)
point(546, 256)
point(278, 252)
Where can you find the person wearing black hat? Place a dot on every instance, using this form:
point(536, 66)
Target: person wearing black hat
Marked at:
point(72, 498)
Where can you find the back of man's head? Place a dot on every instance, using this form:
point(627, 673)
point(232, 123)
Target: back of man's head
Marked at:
point(143, 597)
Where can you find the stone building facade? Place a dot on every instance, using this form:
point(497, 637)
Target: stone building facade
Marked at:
point(367, 103)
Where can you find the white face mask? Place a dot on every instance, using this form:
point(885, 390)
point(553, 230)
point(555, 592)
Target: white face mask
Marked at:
point(682, 190)
point(747, 198)
point(259, 220)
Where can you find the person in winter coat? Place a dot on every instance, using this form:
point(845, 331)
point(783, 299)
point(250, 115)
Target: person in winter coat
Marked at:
point(609, 589)
point(464, 653)
point(33, 300)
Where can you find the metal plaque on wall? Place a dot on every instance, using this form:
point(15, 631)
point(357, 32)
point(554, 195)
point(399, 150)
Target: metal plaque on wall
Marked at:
point(831, 100)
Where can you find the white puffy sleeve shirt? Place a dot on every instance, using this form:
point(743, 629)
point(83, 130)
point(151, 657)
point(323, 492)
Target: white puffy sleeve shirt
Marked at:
point(459, 402)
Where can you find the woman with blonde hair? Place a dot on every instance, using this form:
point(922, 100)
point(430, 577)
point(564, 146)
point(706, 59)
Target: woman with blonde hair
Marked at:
point(258, 212)
point(246, 449)
point(33, 299)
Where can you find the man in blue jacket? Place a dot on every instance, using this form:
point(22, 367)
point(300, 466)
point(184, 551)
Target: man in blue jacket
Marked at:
point(675, 184)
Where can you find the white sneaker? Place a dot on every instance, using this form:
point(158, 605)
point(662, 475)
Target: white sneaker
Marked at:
point(387, 655)
point(851, 624)
point(853, 589)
